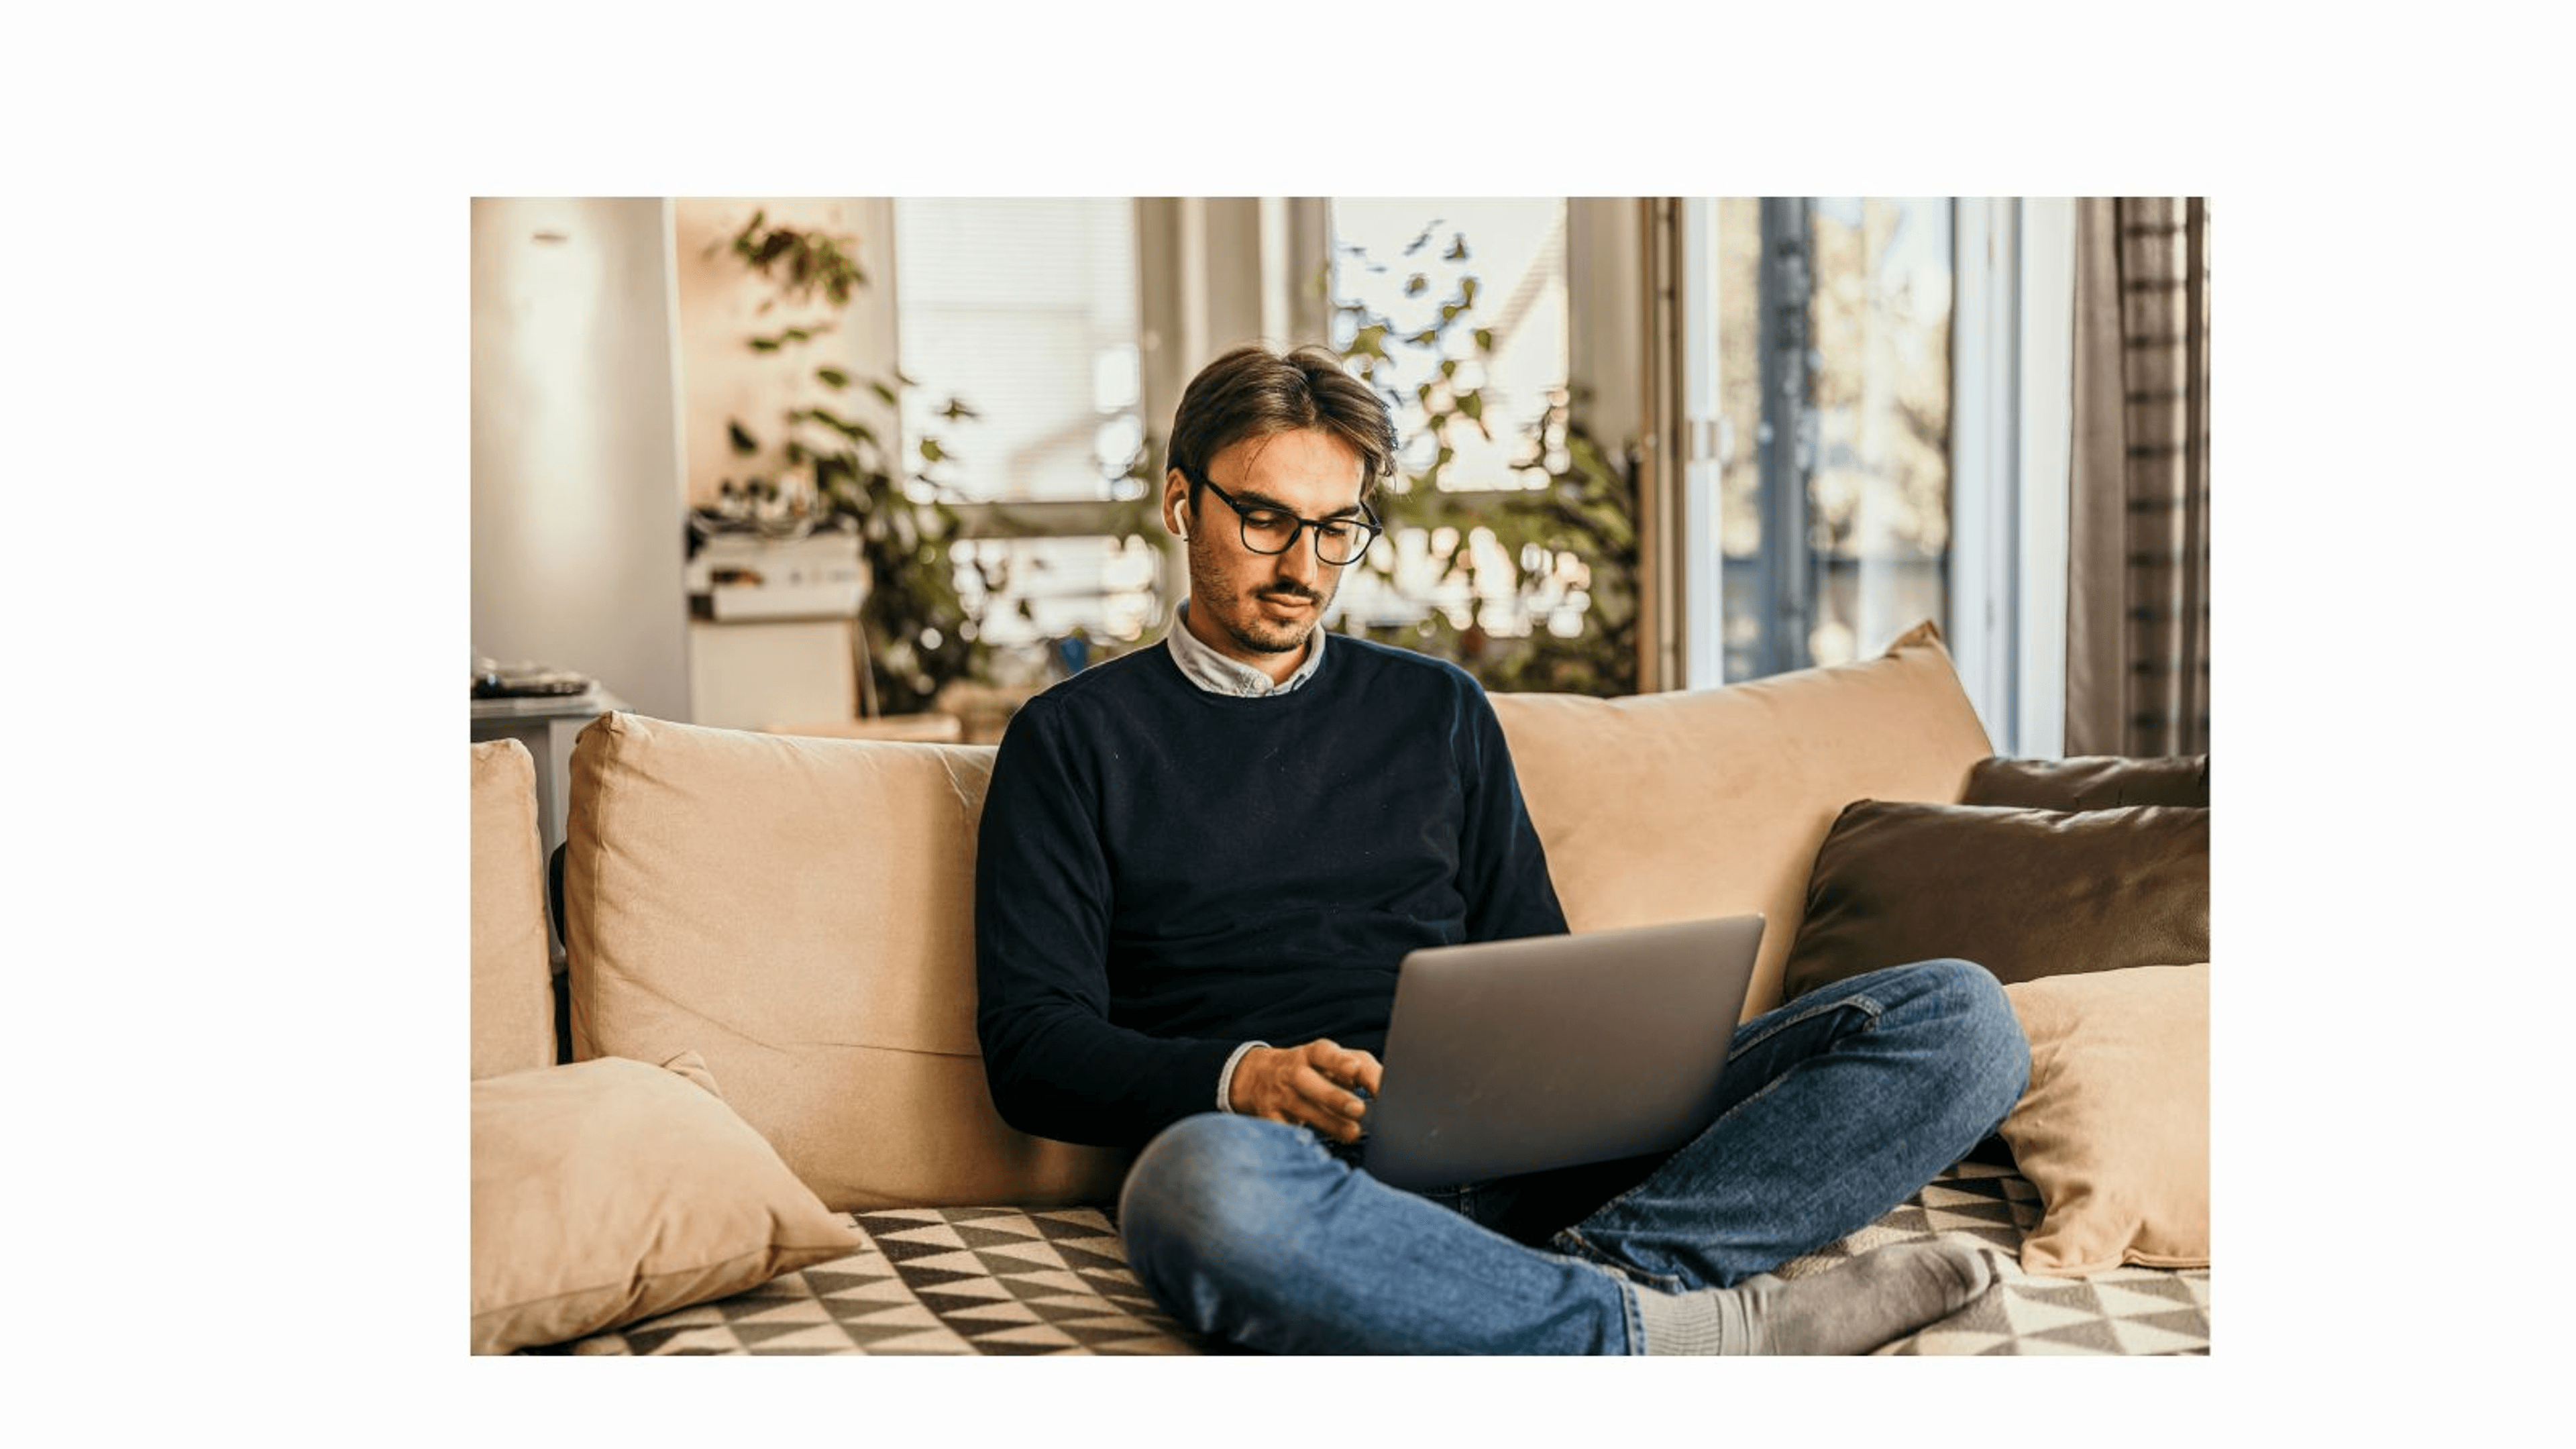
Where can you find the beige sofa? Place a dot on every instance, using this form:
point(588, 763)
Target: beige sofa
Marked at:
point(771, 937)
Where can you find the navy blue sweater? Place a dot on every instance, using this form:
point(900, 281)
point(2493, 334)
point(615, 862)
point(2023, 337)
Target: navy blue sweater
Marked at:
point(1164, 874)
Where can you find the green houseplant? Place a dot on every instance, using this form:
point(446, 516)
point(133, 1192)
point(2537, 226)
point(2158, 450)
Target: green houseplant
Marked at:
point(1573, 518)
point(919, 630)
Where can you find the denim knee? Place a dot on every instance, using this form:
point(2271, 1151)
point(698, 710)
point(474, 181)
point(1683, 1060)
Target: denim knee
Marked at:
point(1217, 1200)
point(1988, 1050)
point(1195, 1162)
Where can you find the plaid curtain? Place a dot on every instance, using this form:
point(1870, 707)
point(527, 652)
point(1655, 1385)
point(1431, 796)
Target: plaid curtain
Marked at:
point(2137, 642)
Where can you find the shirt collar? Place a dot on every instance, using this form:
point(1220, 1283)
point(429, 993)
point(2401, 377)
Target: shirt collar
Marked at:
point(1217, 674)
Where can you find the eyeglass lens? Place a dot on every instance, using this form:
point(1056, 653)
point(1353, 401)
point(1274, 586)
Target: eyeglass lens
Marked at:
point(1336, 542)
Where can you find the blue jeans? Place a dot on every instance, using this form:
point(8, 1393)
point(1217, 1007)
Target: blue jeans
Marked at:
point(1833, 1109)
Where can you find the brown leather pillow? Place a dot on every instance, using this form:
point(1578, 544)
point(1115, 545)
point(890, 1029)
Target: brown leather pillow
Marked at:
point(2024, 893)
point(2089, 782)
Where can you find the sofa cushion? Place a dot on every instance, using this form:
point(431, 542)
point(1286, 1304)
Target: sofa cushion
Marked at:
point(2089, 782)
point(609, 1191)
point(802, 912)
point(513, 976)
point(2024, 893)
point(2114, 1130)
point(1669, 807)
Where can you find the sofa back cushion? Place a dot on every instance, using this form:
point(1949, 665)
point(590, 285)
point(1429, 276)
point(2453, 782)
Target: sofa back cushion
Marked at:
point(513, 982)
point(801, 913)
point(2090, 782)
point(1709, 802)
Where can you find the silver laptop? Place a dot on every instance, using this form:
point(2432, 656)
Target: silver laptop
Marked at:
point(1516, 1056)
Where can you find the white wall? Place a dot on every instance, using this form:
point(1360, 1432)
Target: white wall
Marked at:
point(577, 511)
point(719, 311)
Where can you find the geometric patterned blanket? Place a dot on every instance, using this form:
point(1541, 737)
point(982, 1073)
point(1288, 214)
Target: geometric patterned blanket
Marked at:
point(1023, 1281)
point(2123, 1311)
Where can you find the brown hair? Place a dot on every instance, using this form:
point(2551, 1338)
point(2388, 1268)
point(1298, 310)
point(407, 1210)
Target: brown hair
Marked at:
point(1255, 392)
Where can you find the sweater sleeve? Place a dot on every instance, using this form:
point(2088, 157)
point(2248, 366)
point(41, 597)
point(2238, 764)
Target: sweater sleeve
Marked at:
point(1057, 1066)
point(1502, 867)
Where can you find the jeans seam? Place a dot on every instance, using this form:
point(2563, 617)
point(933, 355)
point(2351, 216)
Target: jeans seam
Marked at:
point(1633, 1316)
point(1870, 1006)
point(1581, 1249)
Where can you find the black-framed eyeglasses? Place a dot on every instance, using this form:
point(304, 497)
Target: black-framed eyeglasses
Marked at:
point(1270, 530)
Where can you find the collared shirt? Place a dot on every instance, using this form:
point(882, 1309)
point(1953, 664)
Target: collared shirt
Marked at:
point(1216, 674)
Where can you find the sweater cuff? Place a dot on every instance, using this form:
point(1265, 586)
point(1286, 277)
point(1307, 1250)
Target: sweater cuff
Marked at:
point(1225, 1079)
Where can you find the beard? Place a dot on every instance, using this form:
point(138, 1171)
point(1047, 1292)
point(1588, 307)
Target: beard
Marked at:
point(1237, 608)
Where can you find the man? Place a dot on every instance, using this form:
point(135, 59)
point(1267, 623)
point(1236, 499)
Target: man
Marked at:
point(1199, 867)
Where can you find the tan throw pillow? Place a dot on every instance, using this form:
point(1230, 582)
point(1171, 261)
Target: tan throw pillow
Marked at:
point(609, 1191)
point(2023, 893)
point(2114, 1131)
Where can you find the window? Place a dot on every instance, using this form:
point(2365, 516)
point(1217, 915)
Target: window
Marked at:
point(1437, 300)
point(1834, 396)
point(1023, 312)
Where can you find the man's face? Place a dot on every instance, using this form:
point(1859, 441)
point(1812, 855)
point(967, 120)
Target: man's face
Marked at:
point(1261, 608)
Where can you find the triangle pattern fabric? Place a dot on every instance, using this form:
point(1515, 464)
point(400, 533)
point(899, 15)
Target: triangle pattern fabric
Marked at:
point(916, 1242)
point(2138, 1335)
point(998, 1235)
point(1001, 1280)
point(1024, 1257)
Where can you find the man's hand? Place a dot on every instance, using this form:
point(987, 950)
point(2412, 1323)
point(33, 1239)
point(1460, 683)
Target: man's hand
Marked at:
point(1308, 1086)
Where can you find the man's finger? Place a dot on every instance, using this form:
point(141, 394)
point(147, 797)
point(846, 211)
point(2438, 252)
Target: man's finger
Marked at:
point(1343, 1065)
point(1366, 1072)
point(1354, 1068)
point(1329, 1095)
point(1328, 1119)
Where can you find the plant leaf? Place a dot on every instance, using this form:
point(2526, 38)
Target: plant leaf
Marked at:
point(850, 428)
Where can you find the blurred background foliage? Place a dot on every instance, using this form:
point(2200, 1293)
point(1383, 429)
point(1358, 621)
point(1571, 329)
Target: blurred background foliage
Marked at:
point(920, 633)
point(1529, 585)
point(1547, 567)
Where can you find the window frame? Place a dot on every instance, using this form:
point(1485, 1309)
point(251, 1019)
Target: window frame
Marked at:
point(2011, 429)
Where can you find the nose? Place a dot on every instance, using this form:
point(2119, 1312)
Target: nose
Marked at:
point(1300, 562)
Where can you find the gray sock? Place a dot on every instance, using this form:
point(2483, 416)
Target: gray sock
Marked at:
point(1867, 1303)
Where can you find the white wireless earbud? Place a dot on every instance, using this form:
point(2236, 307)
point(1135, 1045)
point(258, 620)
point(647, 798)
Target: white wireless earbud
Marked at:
point(1181, 528)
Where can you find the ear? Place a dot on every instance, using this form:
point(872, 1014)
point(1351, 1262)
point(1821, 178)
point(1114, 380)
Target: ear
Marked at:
point(1176, 504)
